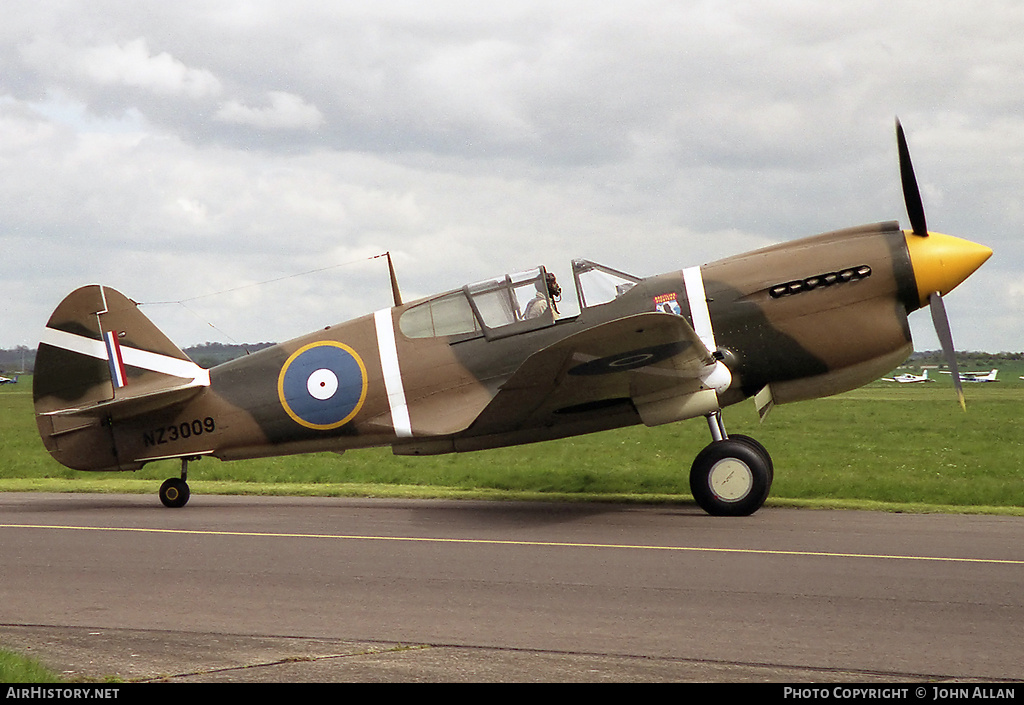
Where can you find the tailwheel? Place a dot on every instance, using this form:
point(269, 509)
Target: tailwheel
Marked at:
point(174, 492)
point(731, 477)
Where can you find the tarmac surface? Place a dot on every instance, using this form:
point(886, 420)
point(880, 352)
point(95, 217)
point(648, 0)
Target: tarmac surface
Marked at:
point(259, 589)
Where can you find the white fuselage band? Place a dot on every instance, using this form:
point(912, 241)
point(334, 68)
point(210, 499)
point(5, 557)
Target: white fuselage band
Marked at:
point(717, 377)
point(393, 385)
point(698, 300)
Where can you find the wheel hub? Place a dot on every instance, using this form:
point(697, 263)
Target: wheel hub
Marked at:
point(730, 479)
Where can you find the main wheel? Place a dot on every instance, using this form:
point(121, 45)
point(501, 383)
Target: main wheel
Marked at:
point(756, 445)
point(730, 477)
point(174, 492)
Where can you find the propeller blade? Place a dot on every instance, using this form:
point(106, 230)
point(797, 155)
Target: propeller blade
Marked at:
point(911, 193)
point(941, 323)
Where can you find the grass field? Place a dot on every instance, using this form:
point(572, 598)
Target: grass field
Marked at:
point(908, 447)
point(15, 668)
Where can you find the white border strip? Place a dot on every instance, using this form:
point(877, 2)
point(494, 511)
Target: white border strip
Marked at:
point(132, 357)
point(388, 348)
point(698, 300)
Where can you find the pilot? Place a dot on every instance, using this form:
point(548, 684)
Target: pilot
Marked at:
point(547, 290)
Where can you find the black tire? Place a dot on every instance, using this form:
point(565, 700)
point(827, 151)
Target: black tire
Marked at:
point(730, 478)
point(756, 445)
point(174, 493)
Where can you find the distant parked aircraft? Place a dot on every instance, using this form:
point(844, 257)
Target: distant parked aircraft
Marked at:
point(977, 376)
point(9, 380)
point(909, 378)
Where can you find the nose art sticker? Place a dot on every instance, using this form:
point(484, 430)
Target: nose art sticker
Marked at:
point(322, 385)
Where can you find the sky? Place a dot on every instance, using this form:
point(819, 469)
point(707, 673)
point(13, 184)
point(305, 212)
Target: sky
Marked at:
point(237, 167)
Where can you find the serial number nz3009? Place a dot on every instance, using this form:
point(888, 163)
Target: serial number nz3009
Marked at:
point(178, 432)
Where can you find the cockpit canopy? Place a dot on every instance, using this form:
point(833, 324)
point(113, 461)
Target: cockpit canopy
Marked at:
point(495, 308)
point(510, 304)
point(597, 284)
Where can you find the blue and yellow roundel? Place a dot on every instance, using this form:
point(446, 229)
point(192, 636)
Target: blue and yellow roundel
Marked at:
point(322, 385)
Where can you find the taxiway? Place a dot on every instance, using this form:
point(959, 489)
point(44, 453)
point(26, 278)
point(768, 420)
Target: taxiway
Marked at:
point(301, 589)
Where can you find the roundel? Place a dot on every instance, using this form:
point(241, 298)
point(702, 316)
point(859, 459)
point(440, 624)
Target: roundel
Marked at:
point(630, 360)
point(322, 385)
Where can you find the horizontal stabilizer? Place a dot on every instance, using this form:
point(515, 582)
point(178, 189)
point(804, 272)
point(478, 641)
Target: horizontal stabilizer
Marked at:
point(128, 406)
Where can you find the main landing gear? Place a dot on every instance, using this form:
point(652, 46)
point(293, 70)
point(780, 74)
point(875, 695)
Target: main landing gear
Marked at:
point(174, 492)
point(732, 475)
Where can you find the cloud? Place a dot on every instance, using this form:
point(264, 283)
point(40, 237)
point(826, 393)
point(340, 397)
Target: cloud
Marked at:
point(131, 64)
point(175, 149)
point(285, 112)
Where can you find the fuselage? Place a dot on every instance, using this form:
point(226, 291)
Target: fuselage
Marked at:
point(798, 320)
point(807, 318)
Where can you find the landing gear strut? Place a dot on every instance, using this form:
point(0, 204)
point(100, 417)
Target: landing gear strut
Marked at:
point(174, 492)
point(732, 475)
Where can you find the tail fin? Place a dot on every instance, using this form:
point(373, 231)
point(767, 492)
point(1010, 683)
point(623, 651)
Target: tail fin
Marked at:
point(100, 359)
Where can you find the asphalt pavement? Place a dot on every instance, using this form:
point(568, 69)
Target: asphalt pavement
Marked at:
point(251, 589)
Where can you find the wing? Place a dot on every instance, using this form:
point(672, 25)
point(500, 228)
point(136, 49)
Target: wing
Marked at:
point(654, 360)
